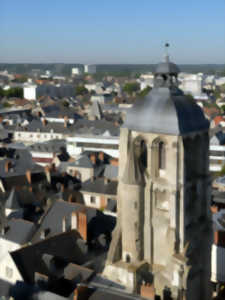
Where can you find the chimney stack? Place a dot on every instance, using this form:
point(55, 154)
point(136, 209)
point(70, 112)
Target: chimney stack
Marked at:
point(28, 176)
point(101, 156)
point(8, 166)
point(66, 121)
point(48, 174)
point(93, 158)
point(82, 224)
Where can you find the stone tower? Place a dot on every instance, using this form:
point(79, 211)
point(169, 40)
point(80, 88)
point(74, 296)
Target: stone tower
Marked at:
point(163, 232)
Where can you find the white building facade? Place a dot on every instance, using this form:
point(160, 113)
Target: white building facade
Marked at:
point(90, 69)
point(29, 92)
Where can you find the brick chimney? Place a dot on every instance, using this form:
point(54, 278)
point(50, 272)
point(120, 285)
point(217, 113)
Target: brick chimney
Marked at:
point(44, 122)
point(8, 166)
point(114, 162)
point(48, 174)
point(147, 291)
point(70, 198)
point(66, 120)
point(28, 176)
point(93, 158)
point(101, 156)
point(82, 225)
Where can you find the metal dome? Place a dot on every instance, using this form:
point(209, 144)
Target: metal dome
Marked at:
point(166, 110)
point(167, 68)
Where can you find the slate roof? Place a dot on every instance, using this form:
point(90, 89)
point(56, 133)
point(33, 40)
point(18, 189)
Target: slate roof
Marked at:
point(111, 172)
point(53, 218)
point(55, 111)
point(12, 201)
point(99, 187)
point(21, 162)
point(49, 146)
point(82, 162)
point(68, 246)
point(167, 68)
point(19, 231)
point(81, 127)
point(166, 110)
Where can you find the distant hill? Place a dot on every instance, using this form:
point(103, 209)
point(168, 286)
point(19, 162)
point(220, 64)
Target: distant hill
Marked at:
point(65, 69)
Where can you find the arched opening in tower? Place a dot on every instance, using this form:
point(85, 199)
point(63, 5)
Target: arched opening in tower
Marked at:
point(143, 155)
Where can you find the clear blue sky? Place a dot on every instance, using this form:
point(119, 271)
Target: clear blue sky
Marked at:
point(116, 31)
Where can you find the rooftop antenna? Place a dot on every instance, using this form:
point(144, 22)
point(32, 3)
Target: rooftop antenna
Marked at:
point(166, 52)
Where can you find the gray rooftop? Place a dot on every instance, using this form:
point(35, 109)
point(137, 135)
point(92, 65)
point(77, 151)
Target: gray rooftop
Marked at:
point(58, 211)
point(167, 68)
point(166, 110)
point(19, 231)
point(12, 201)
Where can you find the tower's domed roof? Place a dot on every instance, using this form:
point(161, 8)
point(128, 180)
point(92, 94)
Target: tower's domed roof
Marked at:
point(167, 68)
point(166, 109)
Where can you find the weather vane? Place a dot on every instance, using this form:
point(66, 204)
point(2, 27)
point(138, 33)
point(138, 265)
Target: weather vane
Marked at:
point(166, 52)
point(166, 48)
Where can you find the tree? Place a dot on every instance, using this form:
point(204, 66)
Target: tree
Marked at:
point(81, 90)
point(2, 94)
point(222, 108)
point(131, 87)
point(145, 91)
point(13, 92)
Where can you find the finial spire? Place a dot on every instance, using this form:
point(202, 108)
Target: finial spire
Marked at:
point(166, 52)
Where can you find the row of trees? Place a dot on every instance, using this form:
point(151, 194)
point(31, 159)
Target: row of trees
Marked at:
point(12, 92)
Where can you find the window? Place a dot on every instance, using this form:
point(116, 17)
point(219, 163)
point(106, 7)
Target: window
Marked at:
point(8, 272)
point(128, 258)
point(92, 199)
point(143, 156)
point(162, 154)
